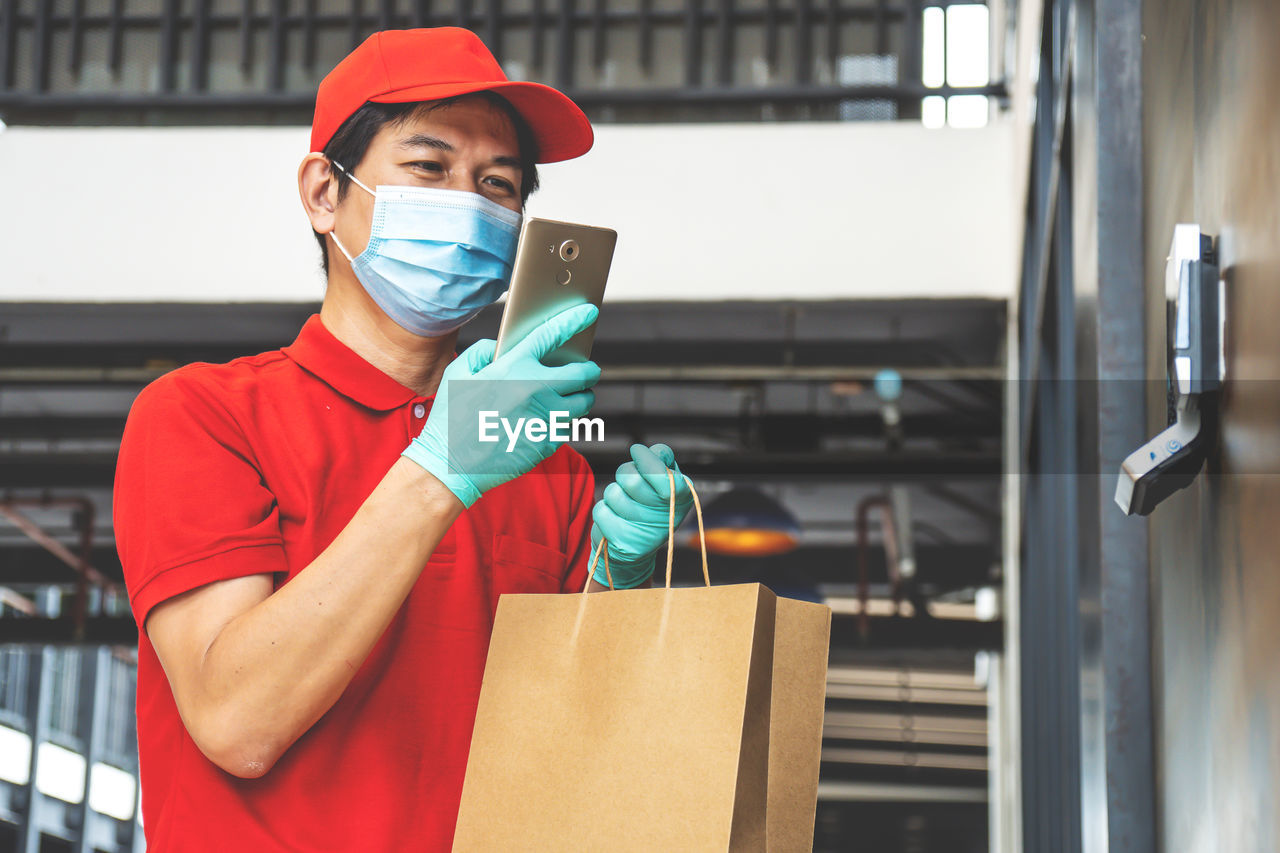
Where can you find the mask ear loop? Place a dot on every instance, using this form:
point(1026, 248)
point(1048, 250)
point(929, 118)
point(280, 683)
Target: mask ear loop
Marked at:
point(360, 184)
point(345, 253)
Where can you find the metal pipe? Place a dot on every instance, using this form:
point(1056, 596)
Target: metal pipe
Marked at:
point(84, 517)
point(246, 36)
point(882, 30)
point(972, 739)
point(355, 24)
point(493, 27)
point(693, 44)
point(804, 41)
point(833, 36)
point(276, 41)
point(771, 34)
point(910, 61)
point(1047, 218)
point(589, 98)
point(864, 585)
point(17, 602)
point(672, 14)
point(617, 373)
point(115, 35)
point(904, 758)
point(883, 792)
point(889, 540)
point(598, 35)
point(42, 48)
point(724, 42)
point(8, 42)
point(53, 546)
point(892, 721)
point(169, 47)
point(884, 693)
point(892, 559)
point(76, 52)
point(536, 14)
point(200, 46)
point(309, 31)
point(890, 607)
point(916, 679)
point(76, 469)
point(564, 46)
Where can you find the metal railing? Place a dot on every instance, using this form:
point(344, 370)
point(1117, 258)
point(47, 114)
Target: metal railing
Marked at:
point(80, 699)
point(634, 60)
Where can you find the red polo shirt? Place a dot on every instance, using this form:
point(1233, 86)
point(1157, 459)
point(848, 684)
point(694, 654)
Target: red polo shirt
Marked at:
point(254, 467)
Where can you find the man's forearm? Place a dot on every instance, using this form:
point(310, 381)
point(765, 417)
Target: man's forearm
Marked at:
point(274, 670)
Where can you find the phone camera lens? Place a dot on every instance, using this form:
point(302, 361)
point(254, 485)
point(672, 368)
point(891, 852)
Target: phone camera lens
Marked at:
point(569, 250)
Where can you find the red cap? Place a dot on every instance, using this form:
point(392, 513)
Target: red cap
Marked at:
point(398, 66)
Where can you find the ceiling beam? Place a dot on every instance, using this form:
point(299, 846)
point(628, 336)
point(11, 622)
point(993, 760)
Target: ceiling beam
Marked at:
point(985, 425)
point(939, 567)
point(885, 634)
point(97, 469)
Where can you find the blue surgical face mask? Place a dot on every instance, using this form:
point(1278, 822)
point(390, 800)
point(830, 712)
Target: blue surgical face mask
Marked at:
point(435, 257)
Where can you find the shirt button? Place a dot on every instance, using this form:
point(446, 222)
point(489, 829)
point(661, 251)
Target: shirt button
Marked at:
point(419, 410)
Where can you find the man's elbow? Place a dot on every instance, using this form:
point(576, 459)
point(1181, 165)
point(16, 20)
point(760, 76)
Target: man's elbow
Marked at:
point(243, 754)
point(242, 763)
point(244, 768)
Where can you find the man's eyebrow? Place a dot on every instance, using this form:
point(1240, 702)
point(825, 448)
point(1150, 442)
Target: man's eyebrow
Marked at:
point(423, 140)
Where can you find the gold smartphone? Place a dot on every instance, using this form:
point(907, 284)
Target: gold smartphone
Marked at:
point(558, 265)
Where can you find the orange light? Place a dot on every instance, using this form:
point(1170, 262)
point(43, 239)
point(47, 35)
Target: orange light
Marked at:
point(746, 542)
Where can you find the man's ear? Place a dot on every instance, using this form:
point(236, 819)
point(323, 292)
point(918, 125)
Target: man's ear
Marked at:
point(318, 190)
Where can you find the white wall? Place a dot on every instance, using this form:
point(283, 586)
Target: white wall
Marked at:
point(783, 211)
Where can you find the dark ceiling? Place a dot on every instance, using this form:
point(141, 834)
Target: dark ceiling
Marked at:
point(776, 395)
point(773, 395)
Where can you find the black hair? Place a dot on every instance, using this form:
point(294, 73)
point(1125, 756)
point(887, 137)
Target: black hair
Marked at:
point(351, 141)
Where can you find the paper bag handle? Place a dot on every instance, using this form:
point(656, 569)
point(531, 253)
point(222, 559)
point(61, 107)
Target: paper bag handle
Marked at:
point(671, 528)
point(671, 538)
point(595, 558)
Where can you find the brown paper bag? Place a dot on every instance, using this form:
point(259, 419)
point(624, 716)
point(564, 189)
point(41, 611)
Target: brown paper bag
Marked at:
point(802, 640)
point(640, 720)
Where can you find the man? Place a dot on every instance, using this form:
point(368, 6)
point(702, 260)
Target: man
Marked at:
point(313, 570)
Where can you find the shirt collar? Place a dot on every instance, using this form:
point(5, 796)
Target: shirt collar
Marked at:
point(333, 362)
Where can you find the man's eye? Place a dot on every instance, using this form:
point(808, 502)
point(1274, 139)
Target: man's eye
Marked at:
point(501, 183)
point(428, 166)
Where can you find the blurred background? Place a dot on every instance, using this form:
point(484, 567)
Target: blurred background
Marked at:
point(890, 281)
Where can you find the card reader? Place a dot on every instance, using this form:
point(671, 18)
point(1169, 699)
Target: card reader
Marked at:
point(1163, 465)
point(1172, 459)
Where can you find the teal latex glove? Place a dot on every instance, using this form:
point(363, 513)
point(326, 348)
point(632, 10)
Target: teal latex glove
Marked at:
point(634, 513)
point(465, 443)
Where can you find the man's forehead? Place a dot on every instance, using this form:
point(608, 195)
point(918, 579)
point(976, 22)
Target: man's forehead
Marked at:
point(453, 122)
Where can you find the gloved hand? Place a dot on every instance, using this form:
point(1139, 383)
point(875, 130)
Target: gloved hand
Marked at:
point(470, 460)
point(634, 512)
